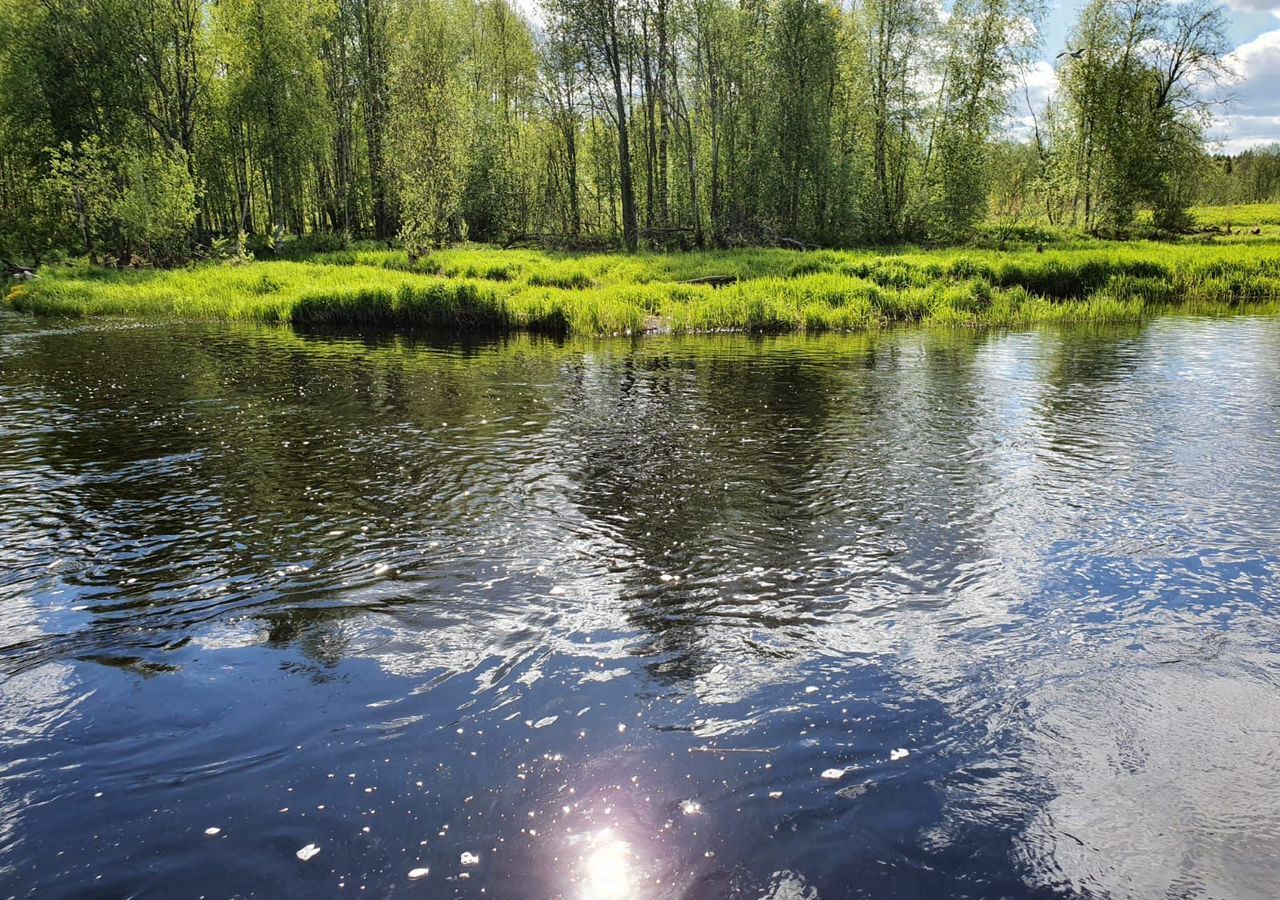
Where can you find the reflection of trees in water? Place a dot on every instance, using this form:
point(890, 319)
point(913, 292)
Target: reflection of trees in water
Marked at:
point(690, 462)
point(858, 467)
point(1084, 373)
point(748, 476)
point(228, 456)
point(202, 470)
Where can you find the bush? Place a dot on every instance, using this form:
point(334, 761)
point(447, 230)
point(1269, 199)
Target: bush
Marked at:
point(157, 208)
point(125, 201)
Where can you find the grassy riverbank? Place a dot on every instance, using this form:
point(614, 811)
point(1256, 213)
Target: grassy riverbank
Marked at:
point(490, 290)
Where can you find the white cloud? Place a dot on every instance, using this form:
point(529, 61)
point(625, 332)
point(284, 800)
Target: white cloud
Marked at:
point(1253, 116)
point(1030, 91)
point(1271, 6)
point(533, 13)
point(1234, 134)
point(1041, 80)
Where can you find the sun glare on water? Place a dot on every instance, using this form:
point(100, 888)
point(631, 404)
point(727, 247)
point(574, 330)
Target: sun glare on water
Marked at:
point(607, 871)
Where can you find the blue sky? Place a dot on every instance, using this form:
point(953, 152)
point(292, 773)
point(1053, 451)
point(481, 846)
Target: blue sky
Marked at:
point(1253, 115)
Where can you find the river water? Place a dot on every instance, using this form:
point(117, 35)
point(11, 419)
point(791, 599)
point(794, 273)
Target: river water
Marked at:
point(925, 614)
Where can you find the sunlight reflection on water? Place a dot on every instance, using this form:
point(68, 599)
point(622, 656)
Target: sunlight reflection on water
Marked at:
point(607, 874)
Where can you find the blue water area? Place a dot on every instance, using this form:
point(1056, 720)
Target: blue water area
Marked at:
point(920, 614)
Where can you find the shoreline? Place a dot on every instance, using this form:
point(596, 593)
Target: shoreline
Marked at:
point(487, 291)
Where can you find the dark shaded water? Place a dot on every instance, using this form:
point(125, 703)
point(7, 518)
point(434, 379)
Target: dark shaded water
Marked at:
point(604, 615)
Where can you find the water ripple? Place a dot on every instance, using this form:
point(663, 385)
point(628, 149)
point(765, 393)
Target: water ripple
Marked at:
point(913, 614)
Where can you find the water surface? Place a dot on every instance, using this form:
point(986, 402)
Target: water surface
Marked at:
point(925, 614)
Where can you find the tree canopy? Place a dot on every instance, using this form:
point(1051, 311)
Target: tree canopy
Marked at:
point(148, 128)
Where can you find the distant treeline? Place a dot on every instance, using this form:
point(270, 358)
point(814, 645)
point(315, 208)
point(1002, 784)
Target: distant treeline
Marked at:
point(152, 128)
point(1249, 177)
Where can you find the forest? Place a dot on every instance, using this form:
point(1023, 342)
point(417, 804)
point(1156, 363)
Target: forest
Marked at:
point(158, 131)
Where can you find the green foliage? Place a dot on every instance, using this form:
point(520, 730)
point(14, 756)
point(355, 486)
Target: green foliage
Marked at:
point(427, 123)
point(1252, 176)
point(655, 124)
point(987, 41)
point(124, 201)
point(157, 208)
point(269, 56)
point(1128, 132)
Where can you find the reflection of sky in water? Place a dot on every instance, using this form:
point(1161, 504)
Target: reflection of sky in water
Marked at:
point(604, 618)
point(1164, 783)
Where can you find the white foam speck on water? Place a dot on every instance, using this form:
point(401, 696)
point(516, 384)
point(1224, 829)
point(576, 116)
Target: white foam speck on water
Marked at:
point(213, 830)
point(833, 774)
point(775, 795)
point(811, 689)
point(900, 753)
point(787, 885)
point(557, 591)
point(690, 807)
point(605, 675)
point(230, 636)
point(307, 852)
point(545, 721)
point(420, 872)
point(470, 859)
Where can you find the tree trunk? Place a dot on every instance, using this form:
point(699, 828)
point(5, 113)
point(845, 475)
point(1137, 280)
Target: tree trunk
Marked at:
point(373, 35)
point(630, 223)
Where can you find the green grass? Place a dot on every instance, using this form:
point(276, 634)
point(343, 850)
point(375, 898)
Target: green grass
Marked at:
point(479, 289)
point(1246, 216)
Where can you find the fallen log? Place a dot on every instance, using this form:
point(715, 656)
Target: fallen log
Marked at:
point(716, 281)
point(556, 242)
point(13, 270)
point(659, 231)
point(793, 244)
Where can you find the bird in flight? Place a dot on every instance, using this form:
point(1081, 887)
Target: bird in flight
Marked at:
point(1074, 54)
